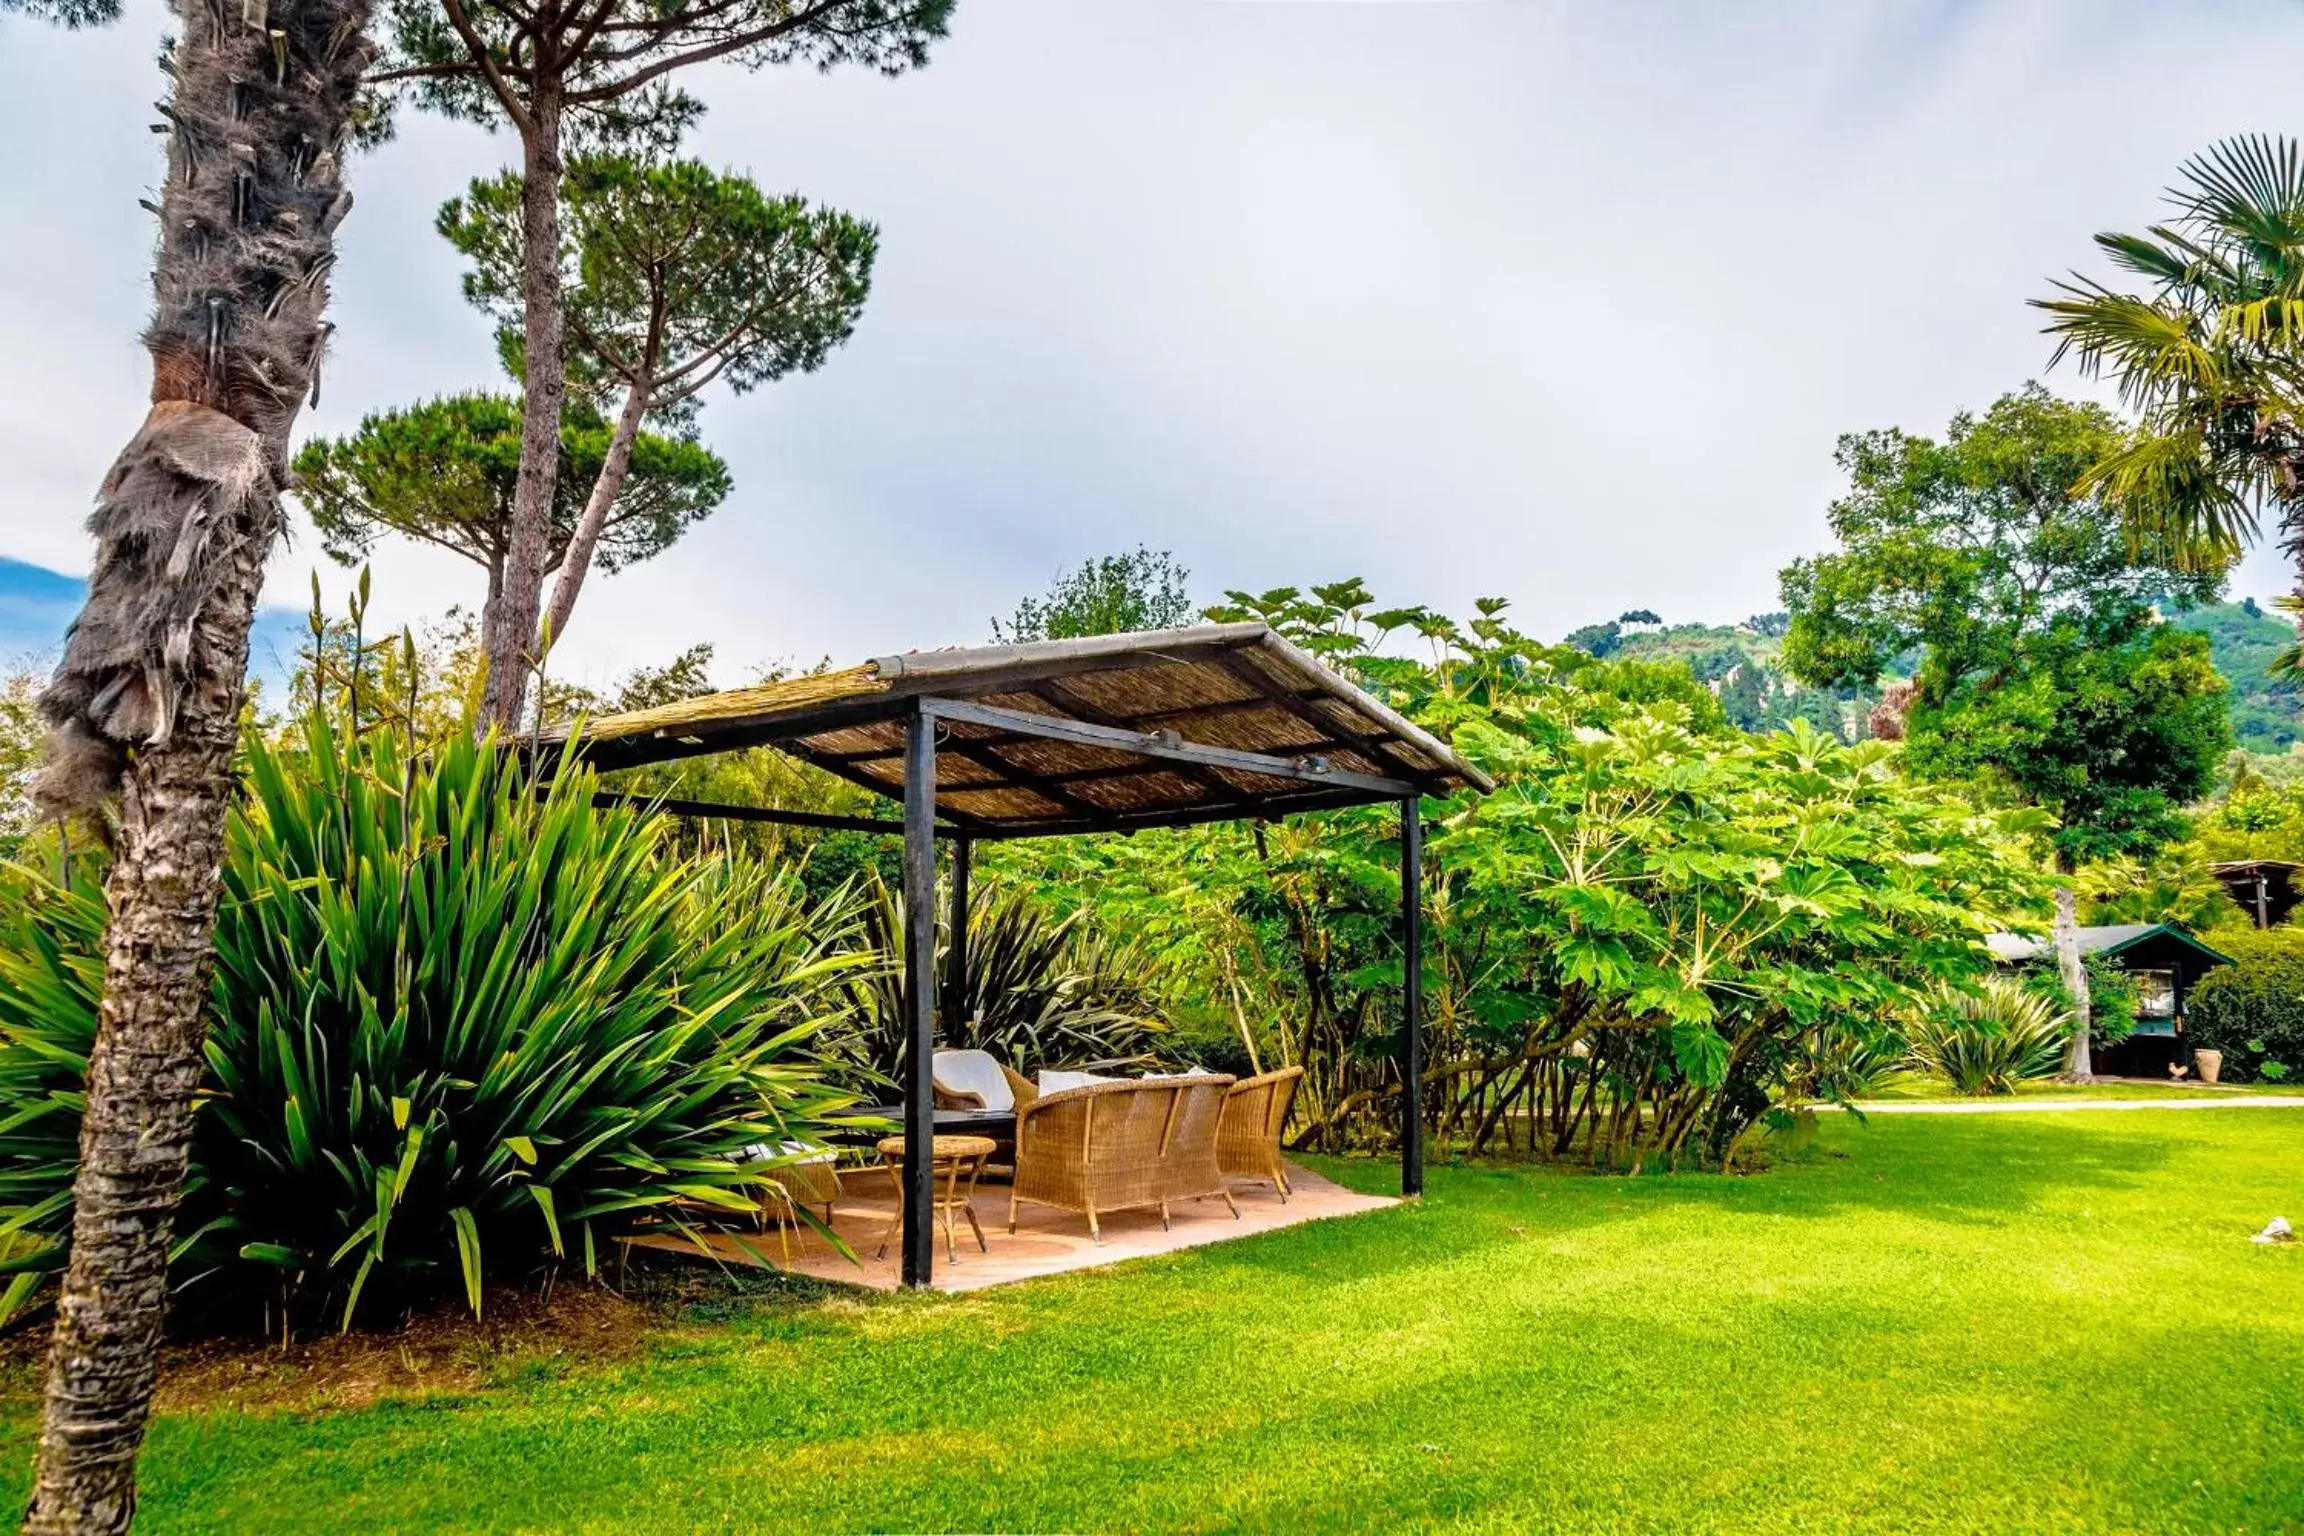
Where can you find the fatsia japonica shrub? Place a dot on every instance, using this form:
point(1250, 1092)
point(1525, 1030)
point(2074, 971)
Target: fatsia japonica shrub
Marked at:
point(1700, 921)
point(460, 1029)
point(1656, 934)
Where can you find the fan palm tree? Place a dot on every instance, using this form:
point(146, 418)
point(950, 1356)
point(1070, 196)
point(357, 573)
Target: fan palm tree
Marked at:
point(2211, 356)
point(145, 704)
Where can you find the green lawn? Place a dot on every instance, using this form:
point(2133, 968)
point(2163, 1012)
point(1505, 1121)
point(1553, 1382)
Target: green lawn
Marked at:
point(2000, 1323)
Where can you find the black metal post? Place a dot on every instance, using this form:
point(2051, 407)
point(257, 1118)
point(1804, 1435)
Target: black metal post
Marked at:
point(920, 994)
point(1412, 996)
point(956, 951)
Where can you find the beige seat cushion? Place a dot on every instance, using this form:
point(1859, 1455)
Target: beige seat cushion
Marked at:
point(1057, 1082)
point(976, 1072)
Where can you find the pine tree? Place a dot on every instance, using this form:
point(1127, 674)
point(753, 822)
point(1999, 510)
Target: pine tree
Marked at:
point(603, 67)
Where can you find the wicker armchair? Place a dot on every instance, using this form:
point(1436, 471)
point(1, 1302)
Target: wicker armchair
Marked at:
point(811, 1178)
point(1255, 1113)
point(1120, 1146)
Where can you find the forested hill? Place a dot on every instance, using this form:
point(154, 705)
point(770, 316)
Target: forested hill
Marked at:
point(1743, 664)
point(2267, 713)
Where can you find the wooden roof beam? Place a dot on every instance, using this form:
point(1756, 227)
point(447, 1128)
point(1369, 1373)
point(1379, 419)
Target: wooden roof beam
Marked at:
point(1168, 747)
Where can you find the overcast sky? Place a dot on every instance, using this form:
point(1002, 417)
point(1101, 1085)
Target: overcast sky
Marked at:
point(1560, 301)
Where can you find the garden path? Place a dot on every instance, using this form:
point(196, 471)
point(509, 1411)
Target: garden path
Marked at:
point(2030, 1106)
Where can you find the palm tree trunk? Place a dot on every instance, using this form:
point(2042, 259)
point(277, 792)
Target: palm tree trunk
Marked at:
point(545, 386)
point(147, 698)
point(2077, 1066)
point(605, 489)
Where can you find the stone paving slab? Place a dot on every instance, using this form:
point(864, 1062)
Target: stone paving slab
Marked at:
point(1047, 1241)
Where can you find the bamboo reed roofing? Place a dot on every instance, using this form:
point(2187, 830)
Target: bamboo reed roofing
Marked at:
point(1028, 736)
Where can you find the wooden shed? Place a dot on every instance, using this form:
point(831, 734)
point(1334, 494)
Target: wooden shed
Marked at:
point(2164, 962)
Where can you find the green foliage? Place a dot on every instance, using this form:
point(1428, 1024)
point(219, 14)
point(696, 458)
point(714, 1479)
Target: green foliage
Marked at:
point(608, 66)
point(1044, 991)
point(1989, 1040)
point(2253, 1009)
point(2042, 665)
point(1742, 666)
point(2172, 885)
point(21, 735)
point(674, 276)
point(2211, 355)
point(69, 14)
point(2110, 736)
point(1654, 930)
point(444, 472)
point(1108, 595)
point(2256, 821)
point(460, 1030)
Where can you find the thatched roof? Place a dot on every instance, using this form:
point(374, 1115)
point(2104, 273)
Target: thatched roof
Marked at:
point(1235, 689)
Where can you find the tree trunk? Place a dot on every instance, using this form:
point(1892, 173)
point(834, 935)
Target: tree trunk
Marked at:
point(2077, 1067)
point(147, 698)
point(605, 489)
point(544, 379)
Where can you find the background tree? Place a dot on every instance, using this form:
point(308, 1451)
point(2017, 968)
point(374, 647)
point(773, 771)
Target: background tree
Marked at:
point(2044, 668)
point(674, 277)
point(447, 472)
point(146, 701)
point(606, 66)
point(2212, 357)
point(69, 14)
point(1104, 596)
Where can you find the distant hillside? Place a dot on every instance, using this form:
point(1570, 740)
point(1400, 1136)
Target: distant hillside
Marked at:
point(1742, 663)
point(2267, 713)
point(37, 605)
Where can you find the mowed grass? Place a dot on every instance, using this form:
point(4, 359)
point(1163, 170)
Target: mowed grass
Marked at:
point(2003, 1323)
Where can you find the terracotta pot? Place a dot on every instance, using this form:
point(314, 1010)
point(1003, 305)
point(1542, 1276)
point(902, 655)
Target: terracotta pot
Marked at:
point(2208, 1064)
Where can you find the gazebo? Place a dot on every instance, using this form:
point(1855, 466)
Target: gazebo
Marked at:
point(1109, 733)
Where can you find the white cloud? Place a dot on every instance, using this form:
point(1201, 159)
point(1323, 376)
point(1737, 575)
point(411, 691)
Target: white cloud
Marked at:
point(1565, 303)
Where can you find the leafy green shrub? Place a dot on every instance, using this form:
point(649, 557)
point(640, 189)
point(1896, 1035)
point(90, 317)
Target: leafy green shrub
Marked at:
point(1044, 990)
point(459, 1029)
point(2113, 997)
point(1987, 1041)
point(2253, 1009)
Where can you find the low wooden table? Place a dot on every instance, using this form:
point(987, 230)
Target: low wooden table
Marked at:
point(949, 1156)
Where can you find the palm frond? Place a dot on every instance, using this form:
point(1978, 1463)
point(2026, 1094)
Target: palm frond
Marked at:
point(2173, 501)
point(2250, 189)
point(2147, 345)
point(2173, 260)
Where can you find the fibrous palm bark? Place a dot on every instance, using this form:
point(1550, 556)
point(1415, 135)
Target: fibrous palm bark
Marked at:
point(147, 699)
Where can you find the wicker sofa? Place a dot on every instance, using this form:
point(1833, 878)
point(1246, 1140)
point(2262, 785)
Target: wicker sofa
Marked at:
point(1248, 1138)
point(1120, 1146)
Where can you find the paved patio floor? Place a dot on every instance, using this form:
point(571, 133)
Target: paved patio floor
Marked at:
point(1047, 1241)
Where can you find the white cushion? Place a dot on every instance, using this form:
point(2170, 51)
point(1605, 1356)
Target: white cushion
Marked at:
point(1159, 1077)
point(1057, 1082)
point(798, 1151)
point(975, 1072)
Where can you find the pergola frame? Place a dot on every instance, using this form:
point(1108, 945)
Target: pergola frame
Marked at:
point(920, 832)
point(1231, 783)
